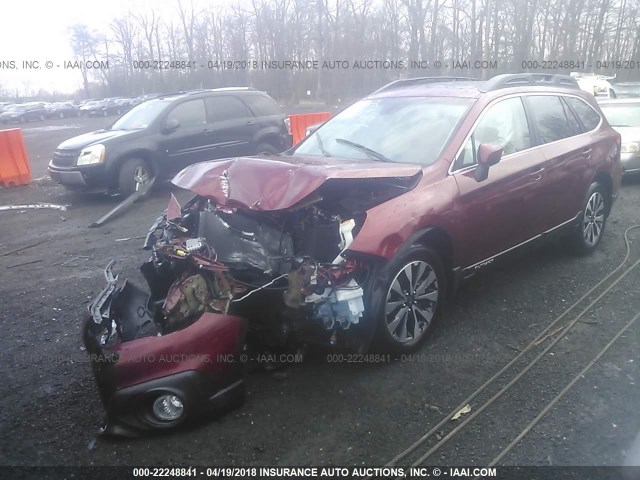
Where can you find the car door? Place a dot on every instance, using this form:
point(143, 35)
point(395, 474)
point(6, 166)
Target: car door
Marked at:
point(501, 211)
point(232, 126)
point(566, 153)
point(188, 141)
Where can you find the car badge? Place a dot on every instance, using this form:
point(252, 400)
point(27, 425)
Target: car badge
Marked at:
point(224, 183)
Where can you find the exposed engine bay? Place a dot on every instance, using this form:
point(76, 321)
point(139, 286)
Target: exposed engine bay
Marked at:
point(285, 271)
point(282, 271)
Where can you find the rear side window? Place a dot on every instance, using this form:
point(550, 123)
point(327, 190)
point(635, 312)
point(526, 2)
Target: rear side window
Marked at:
point(586, 114)
point(550, 118)
point(189, 114)
point(504, 124)
point(226, 108)
point(262, 106)
point(576, 128)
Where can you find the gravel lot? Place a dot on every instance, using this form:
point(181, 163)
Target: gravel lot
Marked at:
point(319, 412)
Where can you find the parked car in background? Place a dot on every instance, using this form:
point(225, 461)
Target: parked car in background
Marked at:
point(627, 89)
point(23, 113)
point(125, 103)
point(4, 106)
point(160, 137)
point(102, 108)
point(62, 110)
point(624, 117)
point(597, 85)
point(359, 233)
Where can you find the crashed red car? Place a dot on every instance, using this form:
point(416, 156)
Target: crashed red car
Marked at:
point(354, 237)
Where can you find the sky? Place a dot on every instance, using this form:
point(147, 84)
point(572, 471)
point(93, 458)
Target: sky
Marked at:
point(38, 30)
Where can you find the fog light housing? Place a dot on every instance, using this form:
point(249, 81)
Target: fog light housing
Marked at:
point(168, 408)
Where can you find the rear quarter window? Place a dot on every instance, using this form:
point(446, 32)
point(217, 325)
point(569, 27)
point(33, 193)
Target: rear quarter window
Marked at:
point(586, 114)
point(262, 106)
point(549, 118)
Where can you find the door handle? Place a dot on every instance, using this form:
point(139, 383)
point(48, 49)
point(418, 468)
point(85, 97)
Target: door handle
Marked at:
point(537, 174)
point(250, 122)
point(587, 152)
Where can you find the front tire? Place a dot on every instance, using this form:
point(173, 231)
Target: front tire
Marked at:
point(592, 221)
point(413, 291)
point(133, 172)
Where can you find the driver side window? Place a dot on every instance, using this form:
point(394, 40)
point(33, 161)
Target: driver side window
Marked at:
point(504, 124)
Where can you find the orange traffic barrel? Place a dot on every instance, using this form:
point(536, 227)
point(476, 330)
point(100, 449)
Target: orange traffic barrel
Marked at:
point(14, 163)
point(300, 122)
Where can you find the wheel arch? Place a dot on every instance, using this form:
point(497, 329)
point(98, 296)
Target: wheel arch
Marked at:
point(439, 240)
point(604, 179)
point(142, 153)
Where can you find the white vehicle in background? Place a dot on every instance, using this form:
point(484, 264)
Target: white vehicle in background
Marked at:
point(597, 85)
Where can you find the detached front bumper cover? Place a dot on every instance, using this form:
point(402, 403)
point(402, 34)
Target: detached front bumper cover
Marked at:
point(134, 364)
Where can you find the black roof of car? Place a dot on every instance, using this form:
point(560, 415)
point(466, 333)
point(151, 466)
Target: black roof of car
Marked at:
point(206, 91)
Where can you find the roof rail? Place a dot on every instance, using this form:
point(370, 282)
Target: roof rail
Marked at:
point(225, 89)
point(530, 79)
point(407, 82)
point(204, 90)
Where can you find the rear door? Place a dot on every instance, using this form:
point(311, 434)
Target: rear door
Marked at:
point(231, 126)
point(190, 142)
point(501, 211)
point(567, 154)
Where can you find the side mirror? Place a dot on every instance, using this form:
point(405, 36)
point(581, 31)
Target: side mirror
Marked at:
point(171, 125)
point(488, 155)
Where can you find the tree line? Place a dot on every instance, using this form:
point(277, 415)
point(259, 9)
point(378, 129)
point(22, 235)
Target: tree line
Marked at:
point(249, 41)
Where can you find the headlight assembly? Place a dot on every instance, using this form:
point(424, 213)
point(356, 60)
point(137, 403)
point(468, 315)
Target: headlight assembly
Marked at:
point(91, 155)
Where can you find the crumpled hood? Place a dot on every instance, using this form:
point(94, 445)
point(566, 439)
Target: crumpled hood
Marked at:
point(278, 182)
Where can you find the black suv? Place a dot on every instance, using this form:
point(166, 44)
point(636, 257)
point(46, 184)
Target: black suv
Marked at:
point(160, 137)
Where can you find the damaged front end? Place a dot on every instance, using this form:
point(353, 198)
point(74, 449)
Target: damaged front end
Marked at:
point(160, 362)
point(226, 282)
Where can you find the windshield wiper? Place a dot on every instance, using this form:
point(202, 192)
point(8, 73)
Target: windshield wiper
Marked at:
point(320, 144)
point(370, 153)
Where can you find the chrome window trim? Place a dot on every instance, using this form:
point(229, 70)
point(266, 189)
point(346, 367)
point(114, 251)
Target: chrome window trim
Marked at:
point(469, 168)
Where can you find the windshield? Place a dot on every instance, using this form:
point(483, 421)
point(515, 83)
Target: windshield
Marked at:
point(141, 116)
point(622, 115)
point(400, 130)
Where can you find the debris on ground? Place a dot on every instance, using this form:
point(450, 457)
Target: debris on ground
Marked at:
point(24, 263)
point(463, 411)
point(21, 249)
point(141, 191)
point(126, 239)
point(34, 206)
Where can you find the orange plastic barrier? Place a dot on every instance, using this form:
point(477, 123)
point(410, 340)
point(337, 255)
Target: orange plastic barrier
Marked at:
point(14, 163)
point(300, 122)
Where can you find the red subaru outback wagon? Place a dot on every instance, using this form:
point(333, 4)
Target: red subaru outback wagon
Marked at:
point(357, 233)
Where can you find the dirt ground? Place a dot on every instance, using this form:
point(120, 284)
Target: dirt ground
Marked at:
point(319, 412)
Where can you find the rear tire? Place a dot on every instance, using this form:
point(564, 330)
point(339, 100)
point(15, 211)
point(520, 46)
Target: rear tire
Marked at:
point(133, 171)
point(592, 221)
point(410, 292)
point(266, 149)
